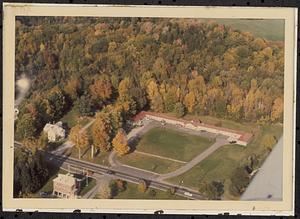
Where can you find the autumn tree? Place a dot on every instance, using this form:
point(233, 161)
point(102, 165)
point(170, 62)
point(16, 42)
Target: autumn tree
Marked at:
point(79, 138)
point(120, 143)
point(277, 110)
point(269, 141)
point(101, 132)
point(190, 101)
point(73, 88)
point(101, 89)
point(142, 186)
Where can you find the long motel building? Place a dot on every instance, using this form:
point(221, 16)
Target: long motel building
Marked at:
point(241, 138)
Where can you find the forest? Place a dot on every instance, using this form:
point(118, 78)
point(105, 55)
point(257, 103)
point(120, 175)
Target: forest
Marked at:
point(120, 66)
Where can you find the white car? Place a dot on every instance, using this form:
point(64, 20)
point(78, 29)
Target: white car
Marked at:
point(188, 194)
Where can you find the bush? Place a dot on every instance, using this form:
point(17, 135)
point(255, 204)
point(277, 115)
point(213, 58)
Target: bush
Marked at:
point(121, 185)
point(213, 190)
point(239, 181)
point(142, 187)
point(152, 193)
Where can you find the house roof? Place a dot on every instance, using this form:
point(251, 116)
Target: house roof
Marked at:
point(244, 136)
point(66, 179)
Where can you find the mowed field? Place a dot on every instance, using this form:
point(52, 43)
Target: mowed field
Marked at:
point(173, 144)
point(174, 147)
point(222, 163)
point(149, 163)
point(269, 29)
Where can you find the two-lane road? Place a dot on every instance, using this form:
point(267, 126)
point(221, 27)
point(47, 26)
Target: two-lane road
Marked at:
point(62, 160)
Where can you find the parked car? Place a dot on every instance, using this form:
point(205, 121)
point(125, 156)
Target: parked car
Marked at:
point(110, 172)
point(188, 194)
point(43, 194)
point(232, 142)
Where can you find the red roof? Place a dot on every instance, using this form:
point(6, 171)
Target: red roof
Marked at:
point(244, 135)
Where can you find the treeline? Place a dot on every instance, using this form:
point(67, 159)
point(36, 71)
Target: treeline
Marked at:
point(30, 172)
point(124, 65)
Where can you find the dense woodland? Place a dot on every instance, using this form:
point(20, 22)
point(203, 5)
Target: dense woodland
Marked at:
point(124, 65)
point(30, 172)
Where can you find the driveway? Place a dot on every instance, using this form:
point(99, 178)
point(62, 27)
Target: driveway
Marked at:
point(200, 157)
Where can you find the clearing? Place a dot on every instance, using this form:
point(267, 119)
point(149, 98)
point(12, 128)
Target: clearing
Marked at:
point(172, 144)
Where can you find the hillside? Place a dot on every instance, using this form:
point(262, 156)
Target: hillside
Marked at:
point(121, 66)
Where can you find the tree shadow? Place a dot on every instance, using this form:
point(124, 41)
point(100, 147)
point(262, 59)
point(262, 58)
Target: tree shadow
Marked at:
point(133, 143)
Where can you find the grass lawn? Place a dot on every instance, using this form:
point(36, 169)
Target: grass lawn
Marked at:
point(132, 192)
point(72, 117)
point(268, 29)
point(246, 127)
point(153, 164)
point(100, 158)
point(84, 188)
point(172, 144)
point(222, 163)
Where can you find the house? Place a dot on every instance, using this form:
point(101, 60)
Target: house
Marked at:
point(54, 132)
point(65, 186)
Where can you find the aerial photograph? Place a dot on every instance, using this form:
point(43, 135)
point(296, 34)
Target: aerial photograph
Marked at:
point(148, 108)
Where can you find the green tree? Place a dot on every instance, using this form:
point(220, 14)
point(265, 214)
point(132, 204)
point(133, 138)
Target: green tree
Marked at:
point(179, 109)
point(25, 127)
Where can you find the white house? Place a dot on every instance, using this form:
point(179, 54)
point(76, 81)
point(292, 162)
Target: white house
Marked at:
point(55, 132)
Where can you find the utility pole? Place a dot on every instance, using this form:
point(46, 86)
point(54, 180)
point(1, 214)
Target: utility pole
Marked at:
point(92, 151)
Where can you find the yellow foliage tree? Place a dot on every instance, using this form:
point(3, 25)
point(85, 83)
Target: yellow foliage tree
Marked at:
point(277, 109)
point(269, 141)
point(72, 87)
point(123, 88)
point(101, 131)
point(142, 186)
point(190, 101)
point(79, 137)
point(101, 89)
point(120, 143)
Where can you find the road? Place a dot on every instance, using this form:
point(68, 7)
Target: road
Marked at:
point(134, 177)
point(267, 183)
